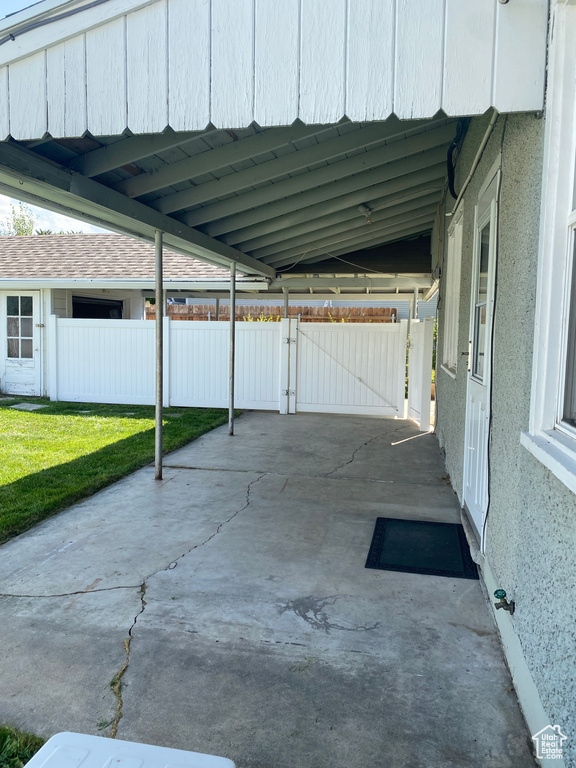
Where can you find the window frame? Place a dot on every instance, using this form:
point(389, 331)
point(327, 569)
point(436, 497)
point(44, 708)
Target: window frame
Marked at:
point(547, 438)
point(20, 337)
point(569, 309)
point(453, 277)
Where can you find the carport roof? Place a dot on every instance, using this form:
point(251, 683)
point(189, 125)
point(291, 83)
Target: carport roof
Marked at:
point(276, 136)
point(272, 200)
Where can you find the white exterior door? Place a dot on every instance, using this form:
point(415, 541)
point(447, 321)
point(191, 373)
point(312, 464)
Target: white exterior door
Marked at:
point(20, 356)
point(477, 431)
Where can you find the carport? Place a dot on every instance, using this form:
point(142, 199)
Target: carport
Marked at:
point(305, 143)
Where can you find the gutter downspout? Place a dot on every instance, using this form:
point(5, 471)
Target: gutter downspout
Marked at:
point(481, 148)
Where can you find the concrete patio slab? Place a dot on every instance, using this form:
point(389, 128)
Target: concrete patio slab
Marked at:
point(254, 630)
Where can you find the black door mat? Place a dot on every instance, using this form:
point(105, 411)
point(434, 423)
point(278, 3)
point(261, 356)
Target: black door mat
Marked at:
point(418, 546)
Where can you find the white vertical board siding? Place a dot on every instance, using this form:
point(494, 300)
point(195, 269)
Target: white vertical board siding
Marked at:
point(106, 78)
point(66, 88)
point(351, 368)
point(520, 59)
point(28, 108)
point(322, 61)
point(189, 64)
point(419, 58)
point(56, 90)
point(4, 105)
point(146, 69)
point(232, 63)
point(370, 59)
point(75, 84)
point(276, 61)
point(105, 361)
point(469, 56)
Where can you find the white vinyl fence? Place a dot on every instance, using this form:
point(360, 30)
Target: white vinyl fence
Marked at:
point(420, 368)
point(285, 366)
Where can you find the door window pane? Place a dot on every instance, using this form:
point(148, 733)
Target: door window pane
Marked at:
point(479, 337)
point(26, 306)
point(13, 326)
point(13, 345)
point(26, 327)
point(570, 382)
point(484, 260)
point(26, 348)
point(479, 340)
point(12, 305)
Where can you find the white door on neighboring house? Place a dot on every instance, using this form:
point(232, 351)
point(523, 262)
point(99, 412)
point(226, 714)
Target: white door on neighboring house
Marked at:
point(20, 361)
point(477, 428)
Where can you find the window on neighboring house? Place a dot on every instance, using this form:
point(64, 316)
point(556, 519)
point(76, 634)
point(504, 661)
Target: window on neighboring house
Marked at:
point(551, 436)
point(93, 308)
point(452, 295)
point(19, 327)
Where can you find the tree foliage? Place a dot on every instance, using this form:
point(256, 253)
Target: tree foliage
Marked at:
point(20, 221)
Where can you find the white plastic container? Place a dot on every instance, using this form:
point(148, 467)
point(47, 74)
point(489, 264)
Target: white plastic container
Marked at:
point(75, 750)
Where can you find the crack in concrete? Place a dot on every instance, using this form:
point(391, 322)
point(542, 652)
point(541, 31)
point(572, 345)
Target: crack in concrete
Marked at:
point(174, 563)
point(368, 442)
point(170, 566)
point(72, 594)
point(116, 684)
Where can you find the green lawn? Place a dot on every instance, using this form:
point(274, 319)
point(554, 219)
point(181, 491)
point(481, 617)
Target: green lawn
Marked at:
point(65, 452)
point(17, 748)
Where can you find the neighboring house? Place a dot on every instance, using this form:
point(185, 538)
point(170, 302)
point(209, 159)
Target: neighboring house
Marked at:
point(376, 95)
point(109, 277)
point(76, 276)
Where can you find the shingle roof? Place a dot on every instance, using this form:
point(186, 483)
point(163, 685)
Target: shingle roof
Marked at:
point(104, 256)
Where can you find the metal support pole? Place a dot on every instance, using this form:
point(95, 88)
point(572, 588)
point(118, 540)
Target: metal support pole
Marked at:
point(159, 296)
point(232, 345)
point(415, 305)
point(286, 298)
point(217, 309)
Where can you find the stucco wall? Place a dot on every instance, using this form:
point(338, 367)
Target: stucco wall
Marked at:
point(531, 528)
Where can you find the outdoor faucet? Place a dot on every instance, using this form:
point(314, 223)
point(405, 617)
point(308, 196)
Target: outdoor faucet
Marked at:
point(500, 594)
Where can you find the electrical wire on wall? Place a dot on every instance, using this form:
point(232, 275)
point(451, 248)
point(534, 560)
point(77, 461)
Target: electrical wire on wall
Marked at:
point(492, 337)
point(50, 20)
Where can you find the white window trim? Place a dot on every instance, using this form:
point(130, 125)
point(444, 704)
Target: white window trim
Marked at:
point(552, 446)
point(452, 294)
